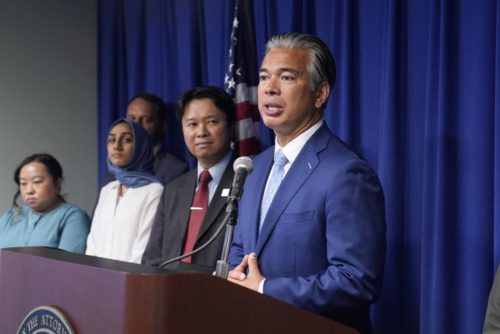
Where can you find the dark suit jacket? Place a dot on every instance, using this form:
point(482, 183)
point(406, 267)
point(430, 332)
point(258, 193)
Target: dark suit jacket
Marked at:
point(322, 244)
point(172, 219)
point(166, 167)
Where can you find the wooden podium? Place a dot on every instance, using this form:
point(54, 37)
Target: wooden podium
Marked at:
point(105, 296)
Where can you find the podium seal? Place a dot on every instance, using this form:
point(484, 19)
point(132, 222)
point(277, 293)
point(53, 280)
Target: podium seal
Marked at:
point(46, 320)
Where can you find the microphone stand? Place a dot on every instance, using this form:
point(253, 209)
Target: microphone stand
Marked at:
point(222, 267)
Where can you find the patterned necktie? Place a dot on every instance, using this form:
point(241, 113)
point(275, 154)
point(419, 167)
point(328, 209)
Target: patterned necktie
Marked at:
point(273, 184)
point(198, 211)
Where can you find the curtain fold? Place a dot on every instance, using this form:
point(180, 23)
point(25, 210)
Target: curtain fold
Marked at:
point(494, 231)
point(391, 166)
point(418, 85)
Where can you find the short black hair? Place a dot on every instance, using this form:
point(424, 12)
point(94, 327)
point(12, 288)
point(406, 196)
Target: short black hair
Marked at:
point(53, 168)
point(218, 96)
point(159, 104)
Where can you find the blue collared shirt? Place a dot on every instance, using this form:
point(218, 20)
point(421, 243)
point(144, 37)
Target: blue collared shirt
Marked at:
point(216, 171)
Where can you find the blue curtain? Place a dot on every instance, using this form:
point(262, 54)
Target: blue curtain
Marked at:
point(417, 94)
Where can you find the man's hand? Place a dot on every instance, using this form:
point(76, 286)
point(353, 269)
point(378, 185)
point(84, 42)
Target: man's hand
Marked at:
point(252, 279)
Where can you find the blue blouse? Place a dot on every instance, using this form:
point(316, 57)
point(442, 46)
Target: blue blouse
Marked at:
point(65, 227)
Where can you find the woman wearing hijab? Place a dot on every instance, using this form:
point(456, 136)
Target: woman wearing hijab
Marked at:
point(124, 214)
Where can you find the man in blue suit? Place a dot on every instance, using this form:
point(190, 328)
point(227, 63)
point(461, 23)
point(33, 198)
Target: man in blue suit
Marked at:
point(320, 243)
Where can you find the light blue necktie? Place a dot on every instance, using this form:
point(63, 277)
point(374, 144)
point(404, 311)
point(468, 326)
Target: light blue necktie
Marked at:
point(273, 184)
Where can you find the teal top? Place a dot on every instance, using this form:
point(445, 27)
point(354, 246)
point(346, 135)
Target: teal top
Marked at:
point(65, 227)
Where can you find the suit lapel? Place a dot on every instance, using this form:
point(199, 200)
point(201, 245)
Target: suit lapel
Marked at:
point(186, 190)
point(303, 166)
point(254, 193)
point(158, 156)
point(218, 202)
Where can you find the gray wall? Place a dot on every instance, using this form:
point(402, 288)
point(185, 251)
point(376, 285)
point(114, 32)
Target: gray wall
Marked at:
point(48, 52)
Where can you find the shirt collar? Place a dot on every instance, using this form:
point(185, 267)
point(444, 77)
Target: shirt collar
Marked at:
point(218, 169)
point(157, 148)
point(293, 148)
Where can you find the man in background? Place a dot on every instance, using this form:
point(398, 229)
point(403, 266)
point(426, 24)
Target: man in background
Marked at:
point(193, 206)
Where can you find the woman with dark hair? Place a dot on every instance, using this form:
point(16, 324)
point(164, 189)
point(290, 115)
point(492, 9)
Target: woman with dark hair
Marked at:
point(126, 208)
point(45, 219)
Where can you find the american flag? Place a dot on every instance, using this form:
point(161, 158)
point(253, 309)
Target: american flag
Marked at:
point(241, 79)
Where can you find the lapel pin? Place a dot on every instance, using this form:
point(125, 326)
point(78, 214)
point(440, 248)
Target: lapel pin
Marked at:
point(225, 192)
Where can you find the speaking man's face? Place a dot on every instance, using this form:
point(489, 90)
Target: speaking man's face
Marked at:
point(287, 103)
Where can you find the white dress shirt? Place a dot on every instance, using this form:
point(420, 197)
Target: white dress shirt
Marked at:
point(121, 225)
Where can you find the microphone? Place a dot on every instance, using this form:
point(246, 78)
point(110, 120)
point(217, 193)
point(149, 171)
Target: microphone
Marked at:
point(242, 167)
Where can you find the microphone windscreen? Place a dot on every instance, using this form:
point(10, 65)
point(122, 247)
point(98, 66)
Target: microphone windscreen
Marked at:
point(243, 162)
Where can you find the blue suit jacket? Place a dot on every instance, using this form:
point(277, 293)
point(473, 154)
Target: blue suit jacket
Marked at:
point(322, 244)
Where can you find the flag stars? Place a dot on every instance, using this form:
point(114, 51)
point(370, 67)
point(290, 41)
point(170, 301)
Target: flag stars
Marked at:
point(231, 84)
point(235, 23)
